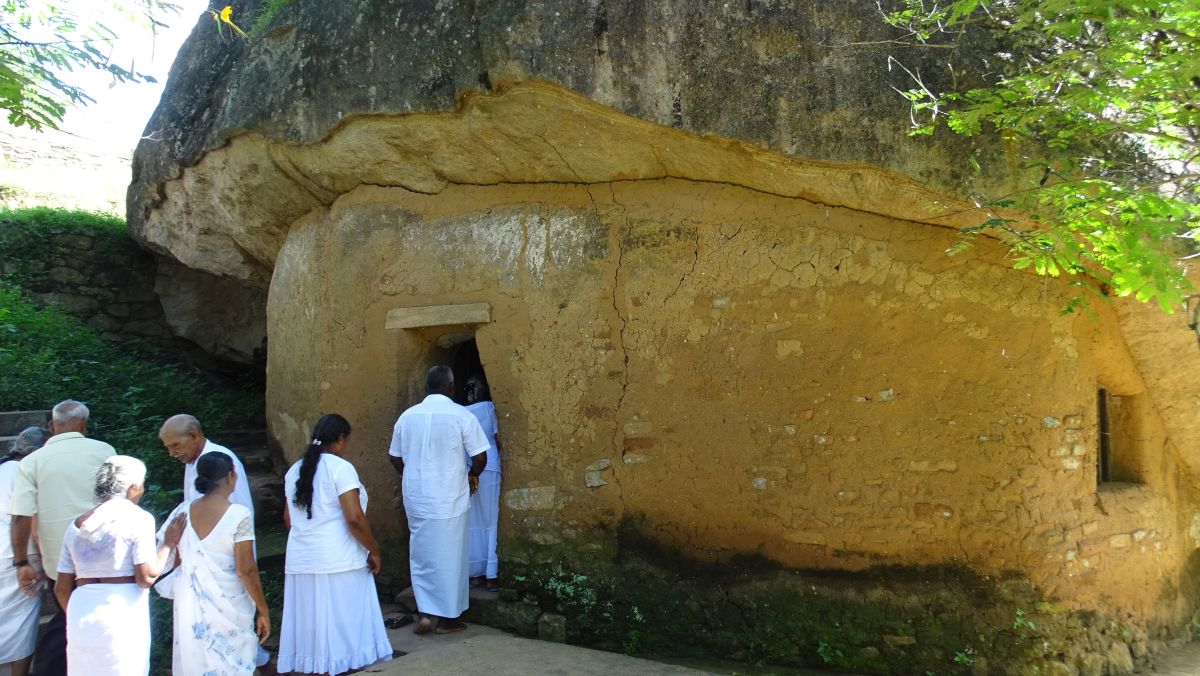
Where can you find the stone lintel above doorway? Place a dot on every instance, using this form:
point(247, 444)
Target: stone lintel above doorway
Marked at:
point(437, 315)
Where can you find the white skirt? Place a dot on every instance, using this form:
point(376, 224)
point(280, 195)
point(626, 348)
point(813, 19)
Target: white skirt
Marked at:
point(108, 630)
point(18, 615)
point(481, 527)
point(331, 623)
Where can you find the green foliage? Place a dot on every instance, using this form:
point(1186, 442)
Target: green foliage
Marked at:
point(27, 236)
point(40, 41)
point(266, 14)
point(1108, 91)
point(47, 356)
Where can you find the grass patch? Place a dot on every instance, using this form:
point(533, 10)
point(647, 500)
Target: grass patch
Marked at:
point(267, 12)
point(49, 219)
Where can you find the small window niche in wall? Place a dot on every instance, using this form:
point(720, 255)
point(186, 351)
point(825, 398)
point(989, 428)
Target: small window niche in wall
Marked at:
point(1122, 443)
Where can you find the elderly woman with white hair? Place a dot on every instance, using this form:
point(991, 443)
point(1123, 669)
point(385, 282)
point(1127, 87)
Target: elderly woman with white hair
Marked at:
point(18, 609)
point(109, 560)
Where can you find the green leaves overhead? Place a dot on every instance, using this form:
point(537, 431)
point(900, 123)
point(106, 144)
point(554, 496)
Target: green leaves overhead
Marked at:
point(1109, 91)
point(41, 41)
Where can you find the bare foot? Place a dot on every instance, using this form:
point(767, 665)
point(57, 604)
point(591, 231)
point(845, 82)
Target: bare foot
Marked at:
point(424, 626)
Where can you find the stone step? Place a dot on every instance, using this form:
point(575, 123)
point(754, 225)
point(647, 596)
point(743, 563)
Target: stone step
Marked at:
point(242, 439)
point(266, 489)
point(13, 422)
point(258, 459)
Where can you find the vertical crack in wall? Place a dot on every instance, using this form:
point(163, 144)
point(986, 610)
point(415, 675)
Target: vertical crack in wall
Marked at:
point(617, 254)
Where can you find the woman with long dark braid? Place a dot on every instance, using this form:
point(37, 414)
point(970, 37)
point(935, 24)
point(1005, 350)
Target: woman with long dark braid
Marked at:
point(331, 617)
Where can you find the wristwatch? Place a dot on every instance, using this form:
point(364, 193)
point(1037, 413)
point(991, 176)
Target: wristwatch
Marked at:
point(22, 562)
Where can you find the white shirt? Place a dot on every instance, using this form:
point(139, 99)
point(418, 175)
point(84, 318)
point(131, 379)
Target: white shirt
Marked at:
point(431, 438)
point(241, 491)
point(117, 536)
point(323, 544)
point(485, 413)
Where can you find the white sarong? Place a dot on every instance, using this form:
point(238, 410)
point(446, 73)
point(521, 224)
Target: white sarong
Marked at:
point(108, 630)
point(481, 527)
point(18, 613)
point(214, 614)
point(332, 623)
point(437, 555)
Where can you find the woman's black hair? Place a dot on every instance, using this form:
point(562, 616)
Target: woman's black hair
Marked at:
point(211, 469)
point(328, 429)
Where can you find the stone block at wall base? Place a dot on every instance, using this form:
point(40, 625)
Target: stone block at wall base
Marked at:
point(520, 617)
point(552, 627)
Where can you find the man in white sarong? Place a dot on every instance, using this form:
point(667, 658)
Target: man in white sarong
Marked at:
point(185, 441)
point(428, 444)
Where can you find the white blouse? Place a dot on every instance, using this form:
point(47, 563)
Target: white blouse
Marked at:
point(117, 536)
point(323, 543)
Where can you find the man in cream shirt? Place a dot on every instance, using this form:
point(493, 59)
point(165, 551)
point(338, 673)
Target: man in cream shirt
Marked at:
point(57, 484)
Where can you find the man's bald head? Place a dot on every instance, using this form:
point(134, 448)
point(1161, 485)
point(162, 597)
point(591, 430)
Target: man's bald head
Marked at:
point(183, 437)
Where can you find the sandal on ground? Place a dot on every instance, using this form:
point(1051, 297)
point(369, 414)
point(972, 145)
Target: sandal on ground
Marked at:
point(398, 621)
point(450, 627)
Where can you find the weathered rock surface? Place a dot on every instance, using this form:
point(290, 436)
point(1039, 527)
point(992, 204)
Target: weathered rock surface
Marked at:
point(812, 81)
point(225, 318)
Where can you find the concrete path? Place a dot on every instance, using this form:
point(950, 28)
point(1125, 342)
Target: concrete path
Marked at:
point(483, 651)
point(1181, 661)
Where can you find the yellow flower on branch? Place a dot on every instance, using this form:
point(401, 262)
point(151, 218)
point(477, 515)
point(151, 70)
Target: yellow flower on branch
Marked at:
point(225, 16)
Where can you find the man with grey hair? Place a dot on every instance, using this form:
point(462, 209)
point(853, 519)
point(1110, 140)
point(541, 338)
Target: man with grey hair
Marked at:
point(57, 485)
point(185, 441)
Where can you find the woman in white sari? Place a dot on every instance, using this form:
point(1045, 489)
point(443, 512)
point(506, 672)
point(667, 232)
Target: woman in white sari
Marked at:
point(108, 562)
point(216, 587)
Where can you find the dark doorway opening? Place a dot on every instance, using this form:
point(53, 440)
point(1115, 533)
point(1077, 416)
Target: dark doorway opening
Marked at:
point(464, 360)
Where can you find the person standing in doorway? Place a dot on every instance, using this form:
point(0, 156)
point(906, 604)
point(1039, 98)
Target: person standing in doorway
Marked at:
point(484, 512)
point(56, 484)
point(429, 441)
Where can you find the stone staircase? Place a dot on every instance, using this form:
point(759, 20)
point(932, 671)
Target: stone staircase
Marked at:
point(13, 423)
point(264, 471)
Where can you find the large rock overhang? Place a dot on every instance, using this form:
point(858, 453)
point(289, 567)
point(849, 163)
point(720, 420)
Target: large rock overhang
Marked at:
point(230, 213)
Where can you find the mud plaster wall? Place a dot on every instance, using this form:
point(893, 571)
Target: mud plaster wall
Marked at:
point(736, 372)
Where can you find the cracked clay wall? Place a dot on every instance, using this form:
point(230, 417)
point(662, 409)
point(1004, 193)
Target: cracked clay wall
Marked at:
point(732, 372)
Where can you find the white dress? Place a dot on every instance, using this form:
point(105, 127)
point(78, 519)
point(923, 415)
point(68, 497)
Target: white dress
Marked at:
point(484, 513)
point(18, 612)
point(214, 614)
point(332, 622)
point(108, 625)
